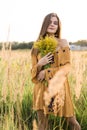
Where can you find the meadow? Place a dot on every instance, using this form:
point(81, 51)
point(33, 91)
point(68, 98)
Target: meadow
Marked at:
point(16, 91)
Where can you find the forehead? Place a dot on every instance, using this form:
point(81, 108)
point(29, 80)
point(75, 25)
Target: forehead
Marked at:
point(53, 18)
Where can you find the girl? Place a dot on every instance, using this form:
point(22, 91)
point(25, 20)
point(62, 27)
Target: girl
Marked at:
point(59, 60)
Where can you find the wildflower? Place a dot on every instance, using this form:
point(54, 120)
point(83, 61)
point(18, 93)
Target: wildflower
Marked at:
point(46, 45)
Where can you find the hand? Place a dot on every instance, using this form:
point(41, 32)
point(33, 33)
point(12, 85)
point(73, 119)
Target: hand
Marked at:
point(46, 59)
point(41, 75)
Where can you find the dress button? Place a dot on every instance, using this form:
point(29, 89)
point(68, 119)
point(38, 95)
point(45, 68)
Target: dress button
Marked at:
point(49, 78)
point(48, 70)
point(63, 50)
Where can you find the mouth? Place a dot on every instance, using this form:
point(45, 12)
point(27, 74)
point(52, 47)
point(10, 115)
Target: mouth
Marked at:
point(51, 28)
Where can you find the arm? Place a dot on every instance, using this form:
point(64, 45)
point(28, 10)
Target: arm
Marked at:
point(35, 68)
point(38, 64)
point(63, 62)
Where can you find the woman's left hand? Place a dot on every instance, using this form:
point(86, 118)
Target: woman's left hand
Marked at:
point(41, 75)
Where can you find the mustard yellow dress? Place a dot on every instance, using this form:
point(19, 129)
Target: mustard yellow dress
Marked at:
point(61, 58)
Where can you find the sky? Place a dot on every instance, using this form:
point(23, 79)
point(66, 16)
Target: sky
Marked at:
point(21, 20)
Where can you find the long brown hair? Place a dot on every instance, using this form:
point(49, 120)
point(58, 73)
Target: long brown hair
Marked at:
point(46, 23)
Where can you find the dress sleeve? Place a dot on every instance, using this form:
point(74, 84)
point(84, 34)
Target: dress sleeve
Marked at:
point(63, 57)
point(34, 69)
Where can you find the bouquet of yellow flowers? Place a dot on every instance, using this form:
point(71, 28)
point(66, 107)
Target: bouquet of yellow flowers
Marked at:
point(46, 45)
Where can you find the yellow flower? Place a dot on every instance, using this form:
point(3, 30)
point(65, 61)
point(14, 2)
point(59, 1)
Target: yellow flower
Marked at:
point(46, 45)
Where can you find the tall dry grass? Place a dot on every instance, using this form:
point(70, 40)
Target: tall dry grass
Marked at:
point(14, 86)
point(78, 82)
point(16, 91)
point(79, 70)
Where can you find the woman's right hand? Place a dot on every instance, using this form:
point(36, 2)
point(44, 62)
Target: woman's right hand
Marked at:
point(46, 59)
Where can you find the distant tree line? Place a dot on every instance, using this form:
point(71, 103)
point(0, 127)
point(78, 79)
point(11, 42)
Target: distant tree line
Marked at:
point(79, 42)
point(16, 45)
point(28, 45)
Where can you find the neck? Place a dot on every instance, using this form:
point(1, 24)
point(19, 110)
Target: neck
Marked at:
point(50, 34)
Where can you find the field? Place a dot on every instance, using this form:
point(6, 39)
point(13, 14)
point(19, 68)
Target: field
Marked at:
point(16, 91)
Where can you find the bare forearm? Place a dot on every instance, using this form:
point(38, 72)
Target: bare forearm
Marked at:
point(39, 67)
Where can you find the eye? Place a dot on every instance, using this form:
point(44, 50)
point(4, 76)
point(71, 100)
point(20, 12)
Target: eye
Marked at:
point(55, 22)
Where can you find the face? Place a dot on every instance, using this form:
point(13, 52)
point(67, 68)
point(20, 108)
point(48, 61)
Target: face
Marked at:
point(53, 26)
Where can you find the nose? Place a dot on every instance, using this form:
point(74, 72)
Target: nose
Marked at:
point(52, 23)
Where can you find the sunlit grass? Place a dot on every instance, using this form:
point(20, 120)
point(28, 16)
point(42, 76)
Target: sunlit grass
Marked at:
point(16, 91)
